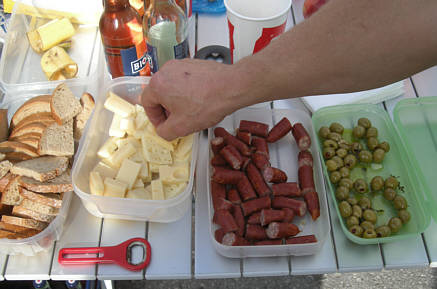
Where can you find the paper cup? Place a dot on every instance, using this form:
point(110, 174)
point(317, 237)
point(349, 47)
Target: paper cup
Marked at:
point(253, 24)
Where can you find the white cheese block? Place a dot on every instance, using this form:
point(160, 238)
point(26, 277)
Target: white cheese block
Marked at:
point(141, 119)
point(122, 141)
point(154, 167)
point(138, 133)
point(137, 157)
point(128, 125)
point(138, 184)
point(108, 148)
point(157, 190)
point(172, 190)
point(154, 152)
point(104, 170)
point(114, 188)
point(185, 145)
point(139, 193)
point(180, 159)
point(174, 174)
point(153, 137)
point(119, 106)
point(114, 129)
point(128, 172)
point(145, 173)
point(122, 153)
point(96, 184)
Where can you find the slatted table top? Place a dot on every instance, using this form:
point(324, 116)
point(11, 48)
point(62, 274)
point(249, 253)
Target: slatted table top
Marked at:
point(182, 250)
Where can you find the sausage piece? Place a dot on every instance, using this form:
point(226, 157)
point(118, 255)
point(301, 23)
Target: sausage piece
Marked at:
point(221, 132)
point(254, 219)
point(226, 176)
point(261, 146)
point(246, 161)
point(299, 207)
point(255, 232)
point(218, 161)
point(268, 215)
point(217, 144)
point(237, 213)
point(274, 175)
point(234, 197)
point(254, 127)
point(290, 189)
point(218, 235)
point(277, 230)
point(221, 204)
point(288, 215)
point(232, 239)
point(301, 136)
point(244, 136)
point(257, 180)
point(312, 201)
point(306, 179)
point(225, 220)
point(255, 205)
point(301, 239)
point(279, 130)
point(246, 190)
point(218, 193)
point(260, 160)
point(232, 140)
point(232, 156)
point(305, 158)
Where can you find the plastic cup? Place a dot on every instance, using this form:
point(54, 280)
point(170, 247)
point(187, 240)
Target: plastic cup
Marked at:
point(253, 24)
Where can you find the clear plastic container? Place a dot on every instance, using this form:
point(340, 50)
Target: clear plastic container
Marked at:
point(20, 67)
point(396, 162)
point(123, 208)
point(283, 154)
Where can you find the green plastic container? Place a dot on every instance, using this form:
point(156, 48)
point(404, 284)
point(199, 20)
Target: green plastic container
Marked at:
point(397, 162)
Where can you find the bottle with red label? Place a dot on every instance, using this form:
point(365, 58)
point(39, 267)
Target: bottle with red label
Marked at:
point(123, 40)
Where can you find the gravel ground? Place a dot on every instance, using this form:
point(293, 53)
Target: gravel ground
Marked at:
point(403, 278)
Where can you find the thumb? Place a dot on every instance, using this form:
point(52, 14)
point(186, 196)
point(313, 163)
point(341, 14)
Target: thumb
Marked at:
point(154, 110)
point(171, 128)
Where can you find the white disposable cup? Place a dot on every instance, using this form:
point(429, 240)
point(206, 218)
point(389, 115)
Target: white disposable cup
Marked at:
point(253, 24)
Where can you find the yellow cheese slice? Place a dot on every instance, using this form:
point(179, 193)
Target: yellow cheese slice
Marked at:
point(139, 193)
point(157, 190)
point(108, 148)
point(114, 188)
point(128, 172)
point(174, 174)
point(114, 129)
point(119, 106)
point(155, 153)
point(185, 145)
point(172, 190)
point(122, 153)
point(104, 170)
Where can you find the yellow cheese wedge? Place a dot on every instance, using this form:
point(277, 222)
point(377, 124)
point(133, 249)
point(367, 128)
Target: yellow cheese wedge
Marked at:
point(128, 125)
point(114, 129)
point(105, 170)
point(128, 172)
point(139, 193)
point(108, 148)
point(157, 190)
point(172, 190)
point(174, 174)
point(114, 188)
point(141, 119)
point(119, 106)
point(122, 153)
point(154, 152)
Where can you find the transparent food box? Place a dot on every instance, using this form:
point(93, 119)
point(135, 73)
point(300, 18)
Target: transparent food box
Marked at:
point(397, 162)
point(283, 155)
point(20, 67)
point(164, 211)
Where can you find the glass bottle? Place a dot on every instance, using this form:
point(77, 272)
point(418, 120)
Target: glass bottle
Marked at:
point(123, 39)
point(165, 31)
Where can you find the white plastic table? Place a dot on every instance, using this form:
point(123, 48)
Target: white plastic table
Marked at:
point(182, 250)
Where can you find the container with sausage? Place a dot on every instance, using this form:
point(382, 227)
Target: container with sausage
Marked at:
point(266, 195)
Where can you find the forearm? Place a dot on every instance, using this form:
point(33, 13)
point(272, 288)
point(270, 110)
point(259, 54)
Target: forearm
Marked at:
point(346, 46)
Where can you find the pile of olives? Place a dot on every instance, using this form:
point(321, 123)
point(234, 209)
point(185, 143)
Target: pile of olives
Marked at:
point(341, 158)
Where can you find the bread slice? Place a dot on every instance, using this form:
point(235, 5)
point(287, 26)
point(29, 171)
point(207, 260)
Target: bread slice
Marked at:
point(30, 141)
point(49, 199)
point(41, 169)
point(39, 208)
point(8, 235)
point(14, 146)
point(57, 140)
point(4, 132)
point(35, 105)
point(11, 195)
point(21, 211)
point(41, 117)
point(64, 105)
point(87, 102)
point(24, 222)
point(59, 184)
point(5, 181)
point(18, 229)
point(15, 157)
point(5, 167)
point(26, 135)
point(28, 128)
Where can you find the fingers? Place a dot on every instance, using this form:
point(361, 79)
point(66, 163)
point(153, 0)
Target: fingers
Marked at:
point(172, 128)
point(154, 110)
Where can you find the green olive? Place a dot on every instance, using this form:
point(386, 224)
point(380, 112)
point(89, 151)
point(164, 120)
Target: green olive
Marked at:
point(364, 122)
point(352, 221)
point(391, 182)
point(344, 145)
point(334, 136)
point(356, 147)
point(360, 186)
point(324, 131)
point(352, 200)
point(335, 177)
point(328, 153)
point(331, 165)
point(338, 160)
point(404, 215)
point(377, 183)
point(365, 156)
point(341, 152)
point(350, 161)
point(383, 231)
point(395, 224)
point(356, 230)
point(372, 132)
point(329, 143)
point(372, 143)
point(389, 194)
point(400, 203)
point(346, 182)
point(385, 146)
point(370, 215)
point(365, 203)
point(336, 127)
point(345, 209)
point(357, 211)
point(341, 193)
point(344, 172)
point(358, 131)
point(378, 155)
point(366, 225)
point(369, 234)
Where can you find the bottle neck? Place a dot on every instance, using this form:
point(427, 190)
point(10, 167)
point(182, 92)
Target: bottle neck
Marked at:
point(157, 2)
point(116, 4)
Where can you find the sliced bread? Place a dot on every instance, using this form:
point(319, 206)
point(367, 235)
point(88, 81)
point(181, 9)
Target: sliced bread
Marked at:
point(39, 208)
point(49, 199)
point(4, 132)
point(41, 169)
point(15, 157)
point(8, 235)
point(35, 105)
point(41, 117)
point(24, 222)
point(18, 229)
point(5, 181)
point(26, 135)
point(59, 184)
point(11, 195)
point(21, 211)
point(5, 167)
point(14, 146)
point(87, 102)
point(28, 128)
point(57, 140)
point(30, 141)
point(64, 105)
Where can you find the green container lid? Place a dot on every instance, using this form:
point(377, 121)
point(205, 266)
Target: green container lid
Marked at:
point(397, 162)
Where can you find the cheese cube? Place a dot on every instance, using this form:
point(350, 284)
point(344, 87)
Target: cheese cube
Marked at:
point(128, 125)
point(114, 188)
point(180, 159)
point(137, 157)
point(157, 190)
point(104, 170)
point(154, 167)
point(185, 145)
point(122, 153)
point(138, 184)
point(138, 133)
point(139, 193)
point(128, 172)
point(154, 138)
point(108, 148)
point(119, 106)
point(172, 190)
point(154, 152)
point(173, 174)
point(145, 174)
point(141, 119)
point(114, 129)
point(96, 184)
point(122, 141)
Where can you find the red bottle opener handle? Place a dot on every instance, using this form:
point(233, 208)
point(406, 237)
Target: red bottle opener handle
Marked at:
point(120, 254)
